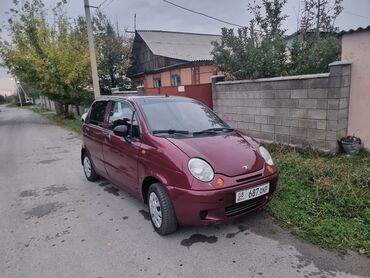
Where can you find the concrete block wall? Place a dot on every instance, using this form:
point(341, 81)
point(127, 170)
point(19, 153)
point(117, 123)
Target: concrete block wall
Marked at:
point(306, 110)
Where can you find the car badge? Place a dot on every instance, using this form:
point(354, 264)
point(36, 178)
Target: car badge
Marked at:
point(245, 167)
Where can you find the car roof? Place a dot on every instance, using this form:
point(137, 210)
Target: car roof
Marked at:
point(134, 97)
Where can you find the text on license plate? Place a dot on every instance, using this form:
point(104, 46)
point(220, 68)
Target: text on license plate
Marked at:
point(251, 193)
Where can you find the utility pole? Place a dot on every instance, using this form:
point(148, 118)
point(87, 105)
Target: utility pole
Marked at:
point(94, 68)
point(135, 22)
point(19, 94)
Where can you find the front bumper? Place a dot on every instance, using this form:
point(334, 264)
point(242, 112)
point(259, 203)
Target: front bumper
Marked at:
point(195, 207)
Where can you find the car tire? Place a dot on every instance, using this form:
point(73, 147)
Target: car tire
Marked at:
point(88, 167)
point(162, 213)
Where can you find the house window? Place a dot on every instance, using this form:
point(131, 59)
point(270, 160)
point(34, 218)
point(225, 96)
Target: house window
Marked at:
point(157, 83)
point(175, 80)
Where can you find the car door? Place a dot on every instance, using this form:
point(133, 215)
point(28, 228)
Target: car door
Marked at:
point(94, 135)
point(120, 154)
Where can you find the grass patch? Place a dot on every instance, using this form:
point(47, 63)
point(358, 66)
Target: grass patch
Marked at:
point(40, 110)
point(325, 200)
point(12, 104)
point(70, 124)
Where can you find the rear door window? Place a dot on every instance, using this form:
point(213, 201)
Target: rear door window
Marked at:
point(97, 113)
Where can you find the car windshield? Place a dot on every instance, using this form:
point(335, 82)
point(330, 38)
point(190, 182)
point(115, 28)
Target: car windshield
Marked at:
point(180, 116)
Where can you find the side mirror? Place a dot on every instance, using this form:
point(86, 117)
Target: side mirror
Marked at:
point(121, 130)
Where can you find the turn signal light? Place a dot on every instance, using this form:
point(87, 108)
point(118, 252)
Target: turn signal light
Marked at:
point(270, 169)
point(220, 182)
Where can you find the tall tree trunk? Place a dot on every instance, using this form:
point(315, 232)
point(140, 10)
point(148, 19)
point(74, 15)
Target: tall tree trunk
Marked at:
point(66, 112)
point(112, 80)
point(78, 110)
point(58, 107)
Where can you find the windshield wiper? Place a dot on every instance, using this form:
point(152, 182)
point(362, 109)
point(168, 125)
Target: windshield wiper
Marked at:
point(170, 131)
point(213, 130)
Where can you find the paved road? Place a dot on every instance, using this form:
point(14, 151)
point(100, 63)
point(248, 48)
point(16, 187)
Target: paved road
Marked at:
point(53, 223)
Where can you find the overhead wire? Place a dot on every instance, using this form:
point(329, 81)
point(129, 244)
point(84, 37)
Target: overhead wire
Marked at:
point(110, 2)
point(203, 14)
point(350, 13)
point(102, 3)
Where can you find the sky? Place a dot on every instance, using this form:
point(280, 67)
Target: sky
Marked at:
point(158, 15)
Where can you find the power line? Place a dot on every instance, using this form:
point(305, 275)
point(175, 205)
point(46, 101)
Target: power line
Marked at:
point(110, 2)
point(357, 15)
point(202, 14)
point(102, 3)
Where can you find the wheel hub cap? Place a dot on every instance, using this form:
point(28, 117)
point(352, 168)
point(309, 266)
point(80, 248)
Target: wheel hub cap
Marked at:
point(87, 166)
point(155, 210)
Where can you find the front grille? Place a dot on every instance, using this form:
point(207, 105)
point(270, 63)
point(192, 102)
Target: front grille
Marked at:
point(245, 206)
point(250, 178)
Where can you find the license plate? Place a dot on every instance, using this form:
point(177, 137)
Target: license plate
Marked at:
point(251, 193)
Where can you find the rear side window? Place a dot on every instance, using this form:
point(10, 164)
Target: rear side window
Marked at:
point(97, 113)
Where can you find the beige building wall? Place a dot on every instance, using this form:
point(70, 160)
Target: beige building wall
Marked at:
point(356, 49)
point(206, 72)
point(166, 79)
point(185, 75)
point(149, 81)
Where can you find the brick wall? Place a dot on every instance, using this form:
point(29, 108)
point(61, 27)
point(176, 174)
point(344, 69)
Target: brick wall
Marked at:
point(306, 110)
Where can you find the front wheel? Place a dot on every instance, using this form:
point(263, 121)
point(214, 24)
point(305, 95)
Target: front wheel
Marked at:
point(89, 170)
point(161, 210)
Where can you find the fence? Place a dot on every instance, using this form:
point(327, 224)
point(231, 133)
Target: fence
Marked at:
point(297, 110)
point(201, 92)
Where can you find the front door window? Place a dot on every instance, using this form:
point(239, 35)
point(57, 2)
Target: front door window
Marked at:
point(121, 114)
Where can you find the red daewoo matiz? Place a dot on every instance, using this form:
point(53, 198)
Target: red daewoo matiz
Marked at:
point(177, 156)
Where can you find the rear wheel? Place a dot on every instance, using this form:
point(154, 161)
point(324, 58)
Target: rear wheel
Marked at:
point(89, 170)
point(161, 210)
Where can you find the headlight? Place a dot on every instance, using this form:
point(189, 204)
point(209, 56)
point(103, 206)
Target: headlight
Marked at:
point(266, 156)
point(200, 169)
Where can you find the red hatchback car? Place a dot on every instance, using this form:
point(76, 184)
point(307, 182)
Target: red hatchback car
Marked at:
point(179, 157)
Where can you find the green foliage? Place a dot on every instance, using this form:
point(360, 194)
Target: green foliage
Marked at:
point(315, 46)
point(2, 99)
point(39, 109)
point(67, 123)
point(12, 100)
point(52, 59)
point(258, 50)
point(320, 16)
point(325, 200)
point(313, 55)
point(114, 59)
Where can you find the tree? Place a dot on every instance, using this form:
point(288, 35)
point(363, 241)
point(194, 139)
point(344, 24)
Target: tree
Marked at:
point(11, 99)
point(30, 91)
point(114, 55)
point(316, 45)
point(256, 51)
point(52, 59)
point(2, 99)
point(320, 16)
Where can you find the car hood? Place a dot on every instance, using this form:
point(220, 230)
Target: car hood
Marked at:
point(229, 154)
